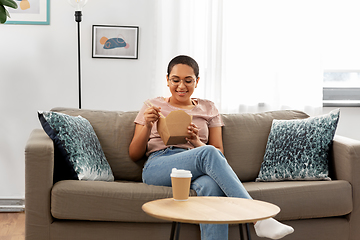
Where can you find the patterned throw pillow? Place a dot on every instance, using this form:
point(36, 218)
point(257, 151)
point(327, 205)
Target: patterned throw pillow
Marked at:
point(298, 149)
point(78, 153)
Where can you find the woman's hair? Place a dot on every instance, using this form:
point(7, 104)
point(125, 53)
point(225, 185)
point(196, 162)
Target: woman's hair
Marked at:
point(182, 59)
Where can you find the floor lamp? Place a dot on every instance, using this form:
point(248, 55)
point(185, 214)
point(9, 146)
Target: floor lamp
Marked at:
point(78, 5)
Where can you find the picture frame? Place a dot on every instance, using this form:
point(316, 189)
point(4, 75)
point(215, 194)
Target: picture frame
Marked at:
point(119, 42)
point(30, 12)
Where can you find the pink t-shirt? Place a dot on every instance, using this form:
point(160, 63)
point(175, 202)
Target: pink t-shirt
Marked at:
point(204, 115)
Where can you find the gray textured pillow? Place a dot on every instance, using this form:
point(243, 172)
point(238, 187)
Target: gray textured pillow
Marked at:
point(298, 149)
point(78, 146)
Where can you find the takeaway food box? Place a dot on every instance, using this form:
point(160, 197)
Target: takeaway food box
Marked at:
point(173, 129)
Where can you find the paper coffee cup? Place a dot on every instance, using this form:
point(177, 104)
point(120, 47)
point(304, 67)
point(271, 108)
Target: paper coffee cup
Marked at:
point(180, 181)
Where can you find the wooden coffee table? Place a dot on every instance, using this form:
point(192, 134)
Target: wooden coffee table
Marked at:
point(211, 210)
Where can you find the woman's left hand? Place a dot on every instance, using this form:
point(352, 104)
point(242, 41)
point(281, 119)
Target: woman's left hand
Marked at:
point(194, 138)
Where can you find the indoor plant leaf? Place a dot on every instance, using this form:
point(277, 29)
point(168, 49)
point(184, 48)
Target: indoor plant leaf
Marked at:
point(3, 14)
point(9, 3)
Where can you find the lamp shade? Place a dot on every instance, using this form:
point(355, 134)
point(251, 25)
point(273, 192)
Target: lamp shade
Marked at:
point(78, 4)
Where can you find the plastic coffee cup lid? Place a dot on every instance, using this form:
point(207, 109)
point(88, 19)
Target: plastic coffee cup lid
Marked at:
point(180, 173)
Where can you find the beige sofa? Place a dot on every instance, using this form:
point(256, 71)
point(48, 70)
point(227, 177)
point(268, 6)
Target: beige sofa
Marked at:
point(112, 210)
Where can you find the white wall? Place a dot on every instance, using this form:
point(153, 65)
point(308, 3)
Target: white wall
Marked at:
point(38, 68)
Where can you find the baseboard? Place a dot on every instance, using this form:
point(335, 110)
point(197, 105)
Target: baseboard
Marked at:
point(12, 205)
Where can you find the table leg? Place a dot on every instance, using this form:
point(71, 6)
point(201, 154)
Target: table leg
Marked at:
point(241, 231)
point(248, 231)
point(175, 231)
point(242, 235)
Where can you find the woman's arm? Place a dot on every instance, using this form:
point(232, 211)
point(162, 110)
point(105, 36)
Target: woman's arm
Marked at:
point(215, 138)
point(138, 144)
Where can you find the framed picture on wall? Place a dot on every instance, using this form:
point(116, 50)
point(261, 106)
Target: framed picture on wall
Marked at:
point(115, 42)
point(30, 12)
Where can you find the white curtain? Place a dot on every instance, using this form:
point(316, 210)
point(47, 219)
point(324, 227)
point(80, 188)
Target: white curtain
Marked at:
point(254, 56)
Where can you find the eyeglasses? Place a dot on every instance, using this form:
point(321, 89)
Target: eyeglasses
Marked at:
point(188, 82)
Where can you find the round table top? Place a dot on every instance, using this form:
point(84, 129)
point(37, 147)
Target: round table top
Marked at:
point(219, 210)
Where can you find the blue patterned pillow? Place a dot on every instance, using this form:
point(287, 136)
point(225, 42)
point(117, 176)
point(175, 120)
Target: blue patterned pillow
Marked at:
point(78, 153)
point(298, 149)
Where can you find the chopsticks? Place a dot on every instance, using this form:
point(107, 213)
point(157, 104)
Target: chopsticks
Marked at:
point(149, 104)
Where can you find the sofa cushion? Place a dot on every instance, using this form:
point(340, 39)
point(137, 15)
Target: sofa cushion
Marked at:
point(305, 199)
point(122, 201)
point(299, 149)
point(245, 137)
point(80, 150)
point(115, 130)
point(114, 201)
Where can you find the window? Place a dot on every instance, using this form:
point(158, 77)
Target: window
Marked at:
point(341, 88)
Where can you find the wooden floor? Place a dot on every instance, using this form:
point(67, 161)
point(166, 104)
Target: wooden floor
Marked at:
point(12, 226)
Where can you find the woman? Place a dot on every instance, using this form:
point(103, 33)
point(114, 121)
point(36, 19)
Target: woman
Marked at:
point(202, 154)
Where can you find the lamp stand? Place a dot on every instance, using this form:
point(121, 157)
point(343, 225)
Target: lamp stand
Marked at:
point(78, 16)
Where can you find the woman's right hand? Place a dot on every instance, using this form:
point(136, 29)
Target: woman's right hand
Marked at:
point(151, 115)
point(138, 144)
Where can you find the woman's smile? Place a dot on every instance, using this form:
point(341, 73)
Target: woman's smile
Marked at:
point(181, 93)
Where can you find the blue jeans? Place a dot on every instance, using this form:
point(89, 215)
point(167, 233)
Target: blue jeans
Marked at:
point(211, 176)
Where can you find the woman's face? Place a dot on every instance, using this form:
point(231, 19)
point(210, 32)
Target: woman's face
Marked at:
point(184, 76)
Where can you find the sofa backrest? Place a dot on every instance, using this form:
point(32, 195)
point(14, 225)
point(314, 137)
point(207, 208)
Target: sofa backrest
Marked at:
point(244, 136)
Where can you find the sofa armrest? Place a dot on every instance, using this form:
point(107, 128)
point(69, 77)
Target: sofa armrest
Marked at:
point(346, 166)
point(346, 159)
point(39, 165)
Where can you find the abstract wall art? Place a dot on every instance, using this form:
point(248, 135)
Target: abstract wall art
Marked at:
point(30, 12)
point(115, 42)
